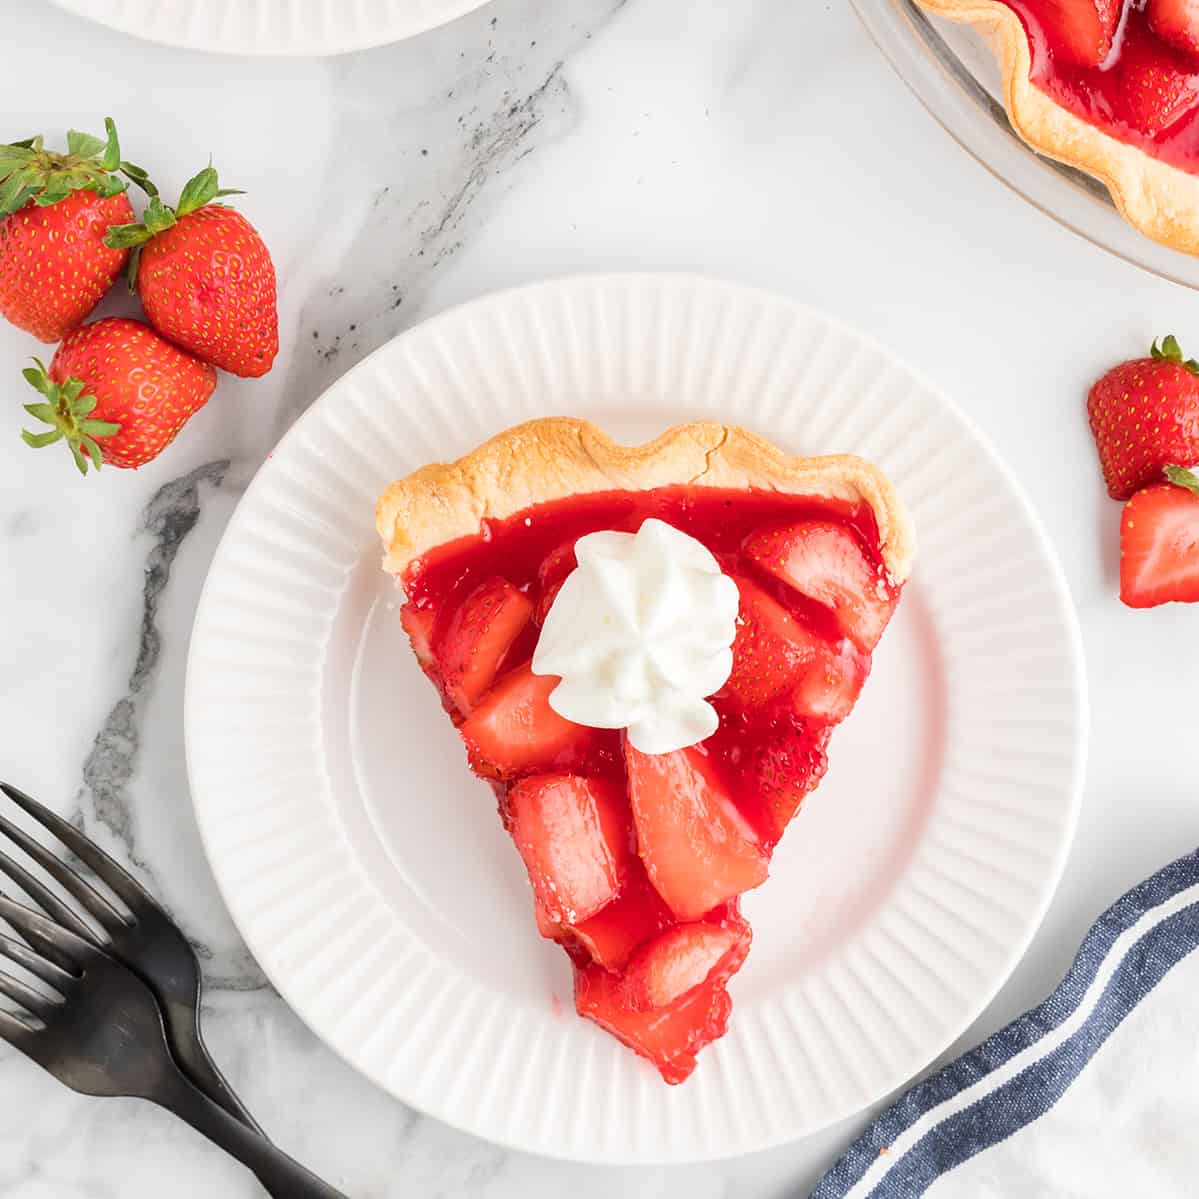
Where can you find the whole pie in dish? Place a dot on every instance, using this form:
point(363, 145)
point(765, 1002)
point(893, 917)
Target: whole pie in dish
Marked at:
point(645, 651)
point(1110, 87)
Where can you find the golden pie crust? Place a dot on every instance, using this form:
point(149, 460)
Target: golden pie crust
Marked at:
point(1161, 200)
point(554, 458)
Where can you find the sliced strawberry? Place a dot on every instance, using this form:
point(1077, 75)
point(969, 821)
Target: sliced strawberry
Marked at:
point(514, 730)
point(418, 624)
point(1157, 85)
point(774, 651)
point(770, 650)
point(829, 687)
point(1080, 31)
point(781, 773)
point(697, 848)
point(556, 825)
point(669, 1037)
point(614, 932)
point(1176, 22)
point(479, 635)
point(681, 959)
point(823, 560)
point(550, 577)
point(1159, 545)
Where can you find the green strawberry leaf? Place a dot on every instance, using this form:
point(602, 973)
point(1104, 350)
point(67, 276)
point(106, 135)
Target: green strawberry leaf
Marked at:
point(139, 176)
point(15, 192)
point(38, 377)
point(99, 428)
point(1181, 477)
point(199, 190)
point(158, 217)
point(83, 145)
point(1171, 351)
point(111, 158)
point(38, 440)
point(13, 159)
point(111, 185)
point(121, 237)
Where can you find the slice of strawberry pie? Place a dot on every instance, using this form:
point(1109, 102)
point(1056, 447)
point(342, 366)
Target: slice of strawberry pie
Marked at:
point(645, 650)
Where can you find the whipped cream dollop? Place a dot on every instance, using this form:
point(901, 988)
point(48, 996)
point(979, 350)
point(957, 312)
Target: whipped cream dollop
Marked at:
point(640, 634)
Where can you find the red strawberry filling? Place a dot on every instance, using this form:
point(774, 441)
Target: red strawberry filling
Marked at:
point(636, 861)
point(1132, 69)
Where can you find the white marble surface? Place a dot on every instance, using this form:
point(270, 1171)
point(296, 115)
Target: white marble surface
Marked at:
point(764, 141)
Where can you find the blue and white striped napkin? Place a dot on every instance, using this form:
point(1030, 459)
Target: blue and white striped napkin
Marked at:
point(1095, 1093)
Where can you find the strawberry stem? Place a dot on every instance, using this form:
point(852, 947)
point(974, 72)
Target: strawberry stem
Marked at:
point(68, 411)
point(1171, 351)
point(30, 172)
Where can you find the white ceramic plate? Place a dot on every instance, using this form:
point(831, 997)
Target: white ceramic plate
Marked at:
point(368, 871)
point(299, 27)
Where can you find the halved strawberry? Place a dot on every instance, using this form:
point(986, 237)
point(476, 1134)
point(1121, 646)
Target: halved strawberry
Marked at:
point(551, 575)
point(823, 560)
point(556, 823)
point(1176, 22)
point(418, 624)
point(1080, 31)
point(682, 958)
point(1159, 543)
point(514, 730)
point(669, 1037)
point(697, 848)
point(770, 650)
point(784, 771)
point(1157, 85)
point(479, 635)
point(828, 689)
point(774, 651)
point(612, 935)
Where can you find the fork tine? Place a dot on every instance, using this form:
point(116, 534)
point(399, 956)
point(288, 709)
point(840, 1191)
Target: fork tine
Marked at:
point(86, 894)
point(115, 875)
point(44, 898)
point(33, 1001)
point(17, 1032)
point(73, 950)
point(45, 969)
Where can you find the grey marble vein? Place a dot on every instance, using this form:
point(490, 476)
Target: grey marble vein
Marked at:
point(169, 517)
point(439, 153)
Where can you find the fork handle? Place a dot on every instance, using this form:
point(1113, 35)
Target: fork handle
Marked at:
point(281, 1177)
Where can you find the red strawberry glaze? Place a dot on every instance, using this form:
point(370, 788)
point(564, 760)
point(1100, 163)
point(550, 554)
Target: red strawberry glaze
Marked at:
point(1107, 96)
point(516, 551)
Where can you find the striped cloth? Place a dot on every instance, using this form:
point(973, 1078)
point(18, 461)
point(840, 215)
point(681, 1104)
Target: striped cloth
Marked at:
point(1094, 1093)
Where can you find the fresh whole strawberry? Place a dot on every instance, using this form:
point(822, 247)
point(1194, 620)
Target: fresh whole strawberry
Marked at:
point(205, 278)
point(1159, 543)
point(1145, 417)
point(116, 392)
point(55, 210)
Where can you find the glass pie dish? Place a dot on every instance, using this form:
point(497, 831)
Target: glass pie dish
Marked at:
point(956, 78)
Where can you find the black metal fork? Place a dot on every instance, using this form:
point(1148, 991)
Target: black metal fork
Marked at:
point(146, 939)
point(97, 1027)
